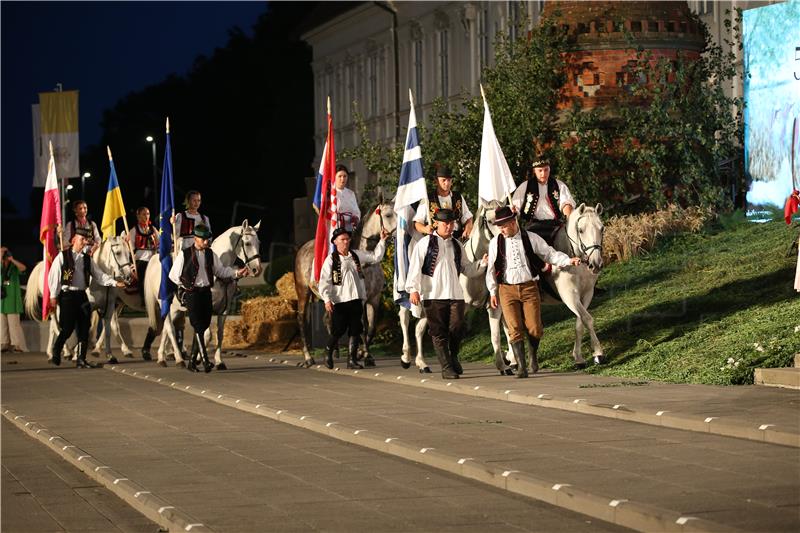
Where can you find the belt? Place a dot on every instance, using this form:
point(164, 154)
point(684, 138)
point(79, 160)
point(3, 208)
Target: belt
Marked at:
point(69, 288)
point(534, 280)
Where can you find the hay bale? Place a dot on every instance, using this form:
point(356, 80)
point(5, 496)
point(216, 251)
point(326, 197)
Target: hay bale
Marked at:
point(282, 331)
point(285, 287)
point(235, 333)
point(267, 309)
point(258, 333)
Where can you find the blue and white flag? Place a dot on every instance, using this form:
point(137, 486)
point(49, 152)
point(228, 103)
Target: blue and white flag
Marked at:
point(166, 212)
point(318, 190)
point(410, 190)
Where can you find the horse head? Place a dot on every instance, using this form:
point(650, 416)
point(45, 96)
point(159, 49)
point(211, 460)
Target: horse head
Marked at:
point(381, 217)
point(247, 247)
point(115, 258)
point(483, 230)
point(585, 232)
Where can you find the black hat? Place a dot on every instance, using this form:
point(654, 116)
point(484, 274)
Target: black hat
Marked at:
point(340, 231)
point(84, 232)
point(541, 162)
point(443, 171)
point(202, 231)
point(503, 215)
point(444, 215)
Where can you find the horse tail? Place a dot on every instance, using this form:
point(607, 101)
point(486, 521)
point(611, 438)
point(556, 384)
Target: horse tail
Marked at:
point(33, 292)
point(152, 284)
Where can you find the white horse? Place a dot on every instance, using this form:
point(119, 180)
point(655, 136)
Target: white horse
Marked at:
point(112, 257)
point(476, 294)
point(382, 217)
point(237, 243)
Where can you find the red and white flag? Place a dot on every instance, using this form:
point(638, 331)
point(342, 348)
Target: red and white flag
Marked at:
point(51, 219)
point(328, 213)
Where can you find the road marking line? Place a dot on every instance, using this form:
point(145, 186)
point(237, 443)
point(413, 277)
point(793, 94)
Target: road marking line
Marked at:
point(136, 495)
point(464, 460)
point(509, 472)
point(120, 479)
point(615, 503)
point(559, 486)
point(162, 509)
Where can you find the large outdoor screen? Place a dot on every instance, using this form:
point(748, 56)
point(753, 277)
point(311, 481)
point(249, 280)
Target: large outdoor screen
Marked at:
point(772, 94)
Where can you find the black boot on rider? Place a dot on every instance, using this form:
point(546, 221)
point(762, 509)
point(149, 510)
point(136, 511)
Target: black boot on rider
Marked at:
point(352, 362)
point(443, 354)
point(191, 365)
point(207, 364)
point(519, 354)
point(80, 362)
point(534, 352)
point(329, 356)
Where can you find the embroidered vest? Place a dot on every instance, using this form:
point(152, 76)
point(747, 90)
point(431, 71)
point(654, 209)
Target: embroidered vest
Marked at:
point(191, 267)
point(532, 199)
point(432, 255)
point(187, 224)
point(89, 224)
point(535, 264)
point(68, 268)
point(336, 267)
point(433, 204)
point(145, 241)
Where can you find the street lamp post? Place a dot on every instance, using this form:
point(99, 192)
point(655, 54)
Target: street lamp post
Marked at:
point(84, 176)
point(152, 141)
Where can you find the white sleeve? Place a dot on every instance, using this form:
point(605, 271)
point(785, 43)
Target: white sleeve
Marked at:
point(356, 210)
point(375, 256)
point(414, 274)
point(177, 225)
point(565, 197)
point(54, 276)
point(547, 252)
point(518, 199)
point(177, 268)
point(422, 212)
point(466, 214)
point(222, 271)
point(491, 279)
point(101, 277)
point(325, 279)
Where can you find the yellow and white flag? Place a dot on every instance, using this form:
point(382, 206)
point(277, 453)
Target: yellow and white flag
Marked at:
point(59, 124)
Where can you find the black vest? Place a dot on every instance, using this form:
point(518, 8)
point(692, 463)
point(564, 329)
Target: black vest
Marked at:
point(191, 267)
point(187, 224)
point(90, 226)
point(535, 264)
point(68, 268)
point(336, 267)
point(432, 255)
point(433, 204)
point(532, 191)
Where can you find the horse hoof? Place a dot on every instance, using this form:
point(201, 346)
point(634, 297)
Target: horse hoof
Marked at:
point(191, 367)
point(580, 366)
point(369, 361)
point(162, 364)
point(507, 372)
point(208, 367)
point(599, 359)
point(112, 360)
point(180, 364)
point(147, 356)
point(129, 355)
point(426, 370)
point(222, 366)
point(405, 365)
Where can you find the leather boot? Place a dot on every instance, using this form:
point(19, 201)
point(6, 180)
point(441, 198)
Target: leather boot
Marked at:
point(329, 356)
point(454, 361)
point(207, 364)
point(148, 341)
point(443, 354)
point(192, 364)
point(352, 362)
point(519, 355)
point(80, 362)
point(534, 358)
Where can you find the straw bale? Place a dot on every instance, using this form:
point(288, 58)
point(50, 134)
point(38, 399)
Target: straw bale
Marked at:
point(282, 330)
point(285, 286)
point(235, 333)
point(258, 333)
point(267, 309)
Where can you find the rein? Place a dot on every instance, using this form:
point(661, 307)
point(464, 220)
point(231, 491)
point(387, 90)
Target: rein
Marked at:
point(120, 266)
point(585, 251)
point(240, 241)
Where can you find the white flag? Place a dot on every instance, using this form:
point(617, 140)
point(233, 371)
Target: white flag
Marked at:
point(494, 178)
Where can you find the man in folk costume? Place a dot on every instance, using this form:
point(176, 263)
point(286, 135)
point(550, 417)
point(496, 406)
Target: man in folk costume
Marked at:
point(348, 212)
point(444, 197)
point(436, 263)
point(186, 220)
point(70, 275)
point(81, 219)
point(543, 202)
point(193, 272)
point(341, 286)
point(516, 260)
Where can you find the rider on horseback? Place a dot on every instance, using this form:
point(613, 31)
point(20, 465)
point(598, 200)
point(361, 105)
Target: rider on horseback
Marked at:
point(543, 202)
point(444, 197)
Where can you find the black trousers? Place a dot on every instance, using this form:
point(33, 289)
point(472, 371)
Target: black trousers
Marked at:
point(75, 312)
point(198, 303)
point(445, 323)
point(347, 316)
point(546, 229)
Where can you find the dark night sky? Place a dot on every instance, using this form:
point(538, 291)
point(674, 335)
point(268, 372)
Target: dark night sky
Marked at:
point(104, 50)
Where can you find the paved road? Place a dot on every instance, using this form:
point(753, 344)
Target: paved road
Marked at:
point(234, 471)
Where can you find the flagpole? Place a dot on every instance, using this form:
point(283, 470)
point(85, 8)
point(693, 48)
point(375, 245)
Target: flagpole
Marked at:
point(175, 248)
point(508, 194)
point(60, 226)
point(124, 222)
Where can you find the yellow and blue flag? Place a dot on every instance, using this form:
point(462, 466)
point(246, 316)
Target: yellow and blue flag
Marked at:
point(114, 207)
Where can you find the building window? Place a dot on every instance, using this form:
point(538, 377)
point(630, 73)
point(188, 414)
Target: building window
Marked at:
point(483, 38)
point(443, 64)
point(418, 70)
point(373, 85)
point(513, 20)
point(541, 7)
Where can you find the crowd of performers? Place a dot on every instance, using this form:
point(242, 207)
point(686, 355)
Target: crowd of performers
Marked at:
point(517, 257)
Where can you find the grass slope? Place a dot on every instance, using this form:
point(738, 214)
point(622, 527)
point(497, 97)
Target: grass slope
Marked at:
point(701, 308)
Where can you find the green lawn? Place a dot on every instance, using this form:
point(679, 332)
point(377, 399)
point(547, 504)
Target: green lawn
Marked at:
point(683, 311)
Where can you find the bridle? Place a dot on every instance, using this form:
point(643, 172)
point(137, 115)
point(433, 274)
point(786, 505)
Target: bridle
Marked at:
point(240, 244)
point(120, 266)
point(483, 225)
point(585, 251)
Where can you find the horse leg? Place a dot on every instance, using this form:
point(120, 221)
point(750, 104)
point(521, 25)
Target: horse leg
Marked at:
point(495, 323)
point(419, 331)
point(405, 321)
point(52, 334)
point(369, 332)
point(97, 344)
point(597, 348)
point(573, 303)
point(115, 329)
point(302, 308)
point(169, 333)
point(220, 334)
point(107, 339)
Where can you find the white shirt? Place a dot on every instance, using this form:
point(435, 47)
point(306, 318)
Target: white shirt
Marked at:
point(140, 254)
point(445, 202)
point(517, 270)
point(78, 281)
point(219, 270)
point(347, 203)
point(352, 287)
point(444, 284)
point(188, 240)
point(543, 209)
